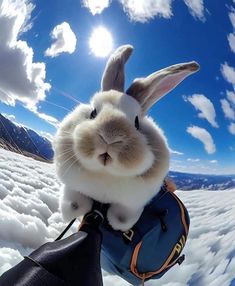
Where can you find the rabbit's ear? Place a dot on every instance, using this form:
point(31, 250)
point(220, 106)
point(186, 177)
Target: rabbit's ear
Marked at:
point(113, 77)
point(150, 89)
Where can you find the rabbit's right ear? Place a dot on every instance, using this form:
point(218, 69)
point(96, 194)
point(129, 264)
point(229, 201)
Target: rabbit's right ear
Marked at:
point(113, 77)
point(149, 90)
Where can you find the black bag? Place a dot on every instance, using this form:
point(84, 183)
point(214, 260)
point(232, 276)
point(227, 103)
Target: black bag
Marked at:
point(74, 260)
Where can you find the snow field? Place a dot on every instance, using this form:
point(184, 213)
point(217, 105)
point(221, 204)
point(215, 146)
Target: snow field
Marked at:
point(29, 192)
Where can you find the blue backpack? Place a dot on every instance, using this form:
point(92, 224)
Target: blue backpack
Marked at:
point(152, 246)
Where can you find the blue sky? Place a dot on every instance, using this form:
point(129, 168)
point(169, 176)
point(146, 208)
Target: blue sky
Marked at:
point(40, 74)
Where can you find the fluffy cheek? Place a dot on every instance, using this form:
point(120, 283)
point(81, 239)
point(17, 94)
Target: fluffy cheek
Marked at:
point(131, 154)
point(135, 156)
point(84, 144)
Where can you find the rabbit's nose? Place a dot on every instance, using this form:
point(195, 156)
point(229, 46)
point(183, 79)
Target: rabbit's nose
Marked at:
point(105, 159)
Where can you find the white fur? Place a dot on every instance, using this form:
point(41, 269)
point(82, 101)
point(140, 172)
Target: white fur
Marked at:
point(104, 157)
point(130, 193)
point(86, 180)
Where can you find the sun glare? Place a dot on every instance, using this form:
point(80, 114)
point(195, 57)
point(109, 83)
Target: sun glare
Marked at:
point(101, 42)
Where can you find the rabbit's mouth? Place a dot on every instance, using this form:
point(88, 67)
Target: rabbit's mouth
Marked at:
point(105, 159)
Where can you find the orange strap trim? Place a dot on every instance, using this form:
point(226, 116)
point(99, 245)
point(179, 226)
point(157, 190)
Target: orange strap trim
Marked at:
point(147, 274)
point(134, 261)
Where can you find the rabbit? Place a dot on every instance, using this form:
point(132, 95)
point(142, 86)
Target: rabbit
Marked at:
point(109, 150)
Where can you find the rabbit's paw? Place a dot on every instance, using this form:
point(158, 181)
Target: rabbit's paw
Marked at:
point(74, 204)
point(122, 218)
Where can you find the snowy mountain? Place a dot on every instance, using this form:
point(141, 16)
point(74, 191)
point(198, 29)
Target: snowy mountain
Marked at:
point(185, 181)
point(21, 139)
point(29, 217)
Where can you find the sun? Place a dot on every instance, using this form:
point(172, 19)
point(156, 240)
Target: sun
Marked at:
point(101, 42)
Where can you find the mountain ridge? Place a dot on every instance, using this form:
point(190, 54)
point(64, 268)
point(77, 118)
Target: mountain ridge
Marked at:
point(20, 139)
point(187, 181)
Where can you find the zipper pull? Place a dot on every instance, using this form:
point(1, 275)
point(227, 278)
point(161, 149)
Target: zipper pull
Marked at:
point(181, 259)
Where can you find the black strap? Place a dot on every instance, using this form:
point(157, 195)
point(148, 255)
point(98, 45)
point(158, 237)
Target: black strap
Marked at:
point(96, 215)
point(65, 230)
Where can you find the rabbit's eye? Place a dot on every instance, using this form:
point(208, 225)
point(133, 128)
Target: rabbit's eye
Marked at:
point(137, 125)
point(93, 114)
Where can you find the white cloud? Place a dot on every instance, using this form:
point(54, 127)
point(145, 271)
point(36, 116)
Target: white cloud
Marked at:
point(9, 116)
point(213, 161)
point(175, 152)
point(231, 96)
point(204, 136)
point(145, 10)
point(47, 135)
point(48, 118)
point(228, 73)
point(196, 8)
point(232, 18)
point(194, 168)
point(205, 106)
point(193, 160)
point(231, 41)
point(9, 257)
point(7, 98)
point(64, 40)
point(96, 6)
point(231, 128)
point(231, 36)
point(20, 78)
point(227, 109)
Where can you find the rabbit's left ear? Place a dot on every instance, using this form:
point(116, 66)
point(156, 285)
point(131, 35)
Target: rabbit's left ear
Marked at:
point(149, 90)
point(114, 77)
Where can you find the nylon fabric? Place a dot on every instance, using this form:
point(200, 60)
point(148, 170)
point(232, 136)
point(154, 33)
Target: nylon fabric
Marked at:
point(27, 273)
point(72, 261)
point(153, 250)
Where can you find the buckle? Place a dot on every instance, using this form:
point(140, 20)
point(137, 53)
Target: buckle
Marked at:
point(128, 234)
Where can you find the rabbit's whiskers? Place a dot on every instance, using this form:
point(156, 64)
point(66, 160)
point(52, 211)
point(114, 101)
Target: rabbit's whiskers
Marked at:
point(70, 166)
point(73, 156)
point(66, 152)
